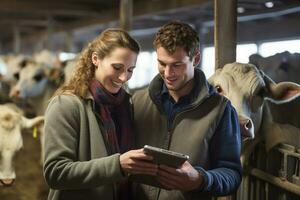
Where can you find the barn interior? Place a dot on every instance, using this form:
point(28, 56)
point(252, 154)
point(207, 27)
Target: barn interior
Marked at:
point(66, 27)
point(29, 25)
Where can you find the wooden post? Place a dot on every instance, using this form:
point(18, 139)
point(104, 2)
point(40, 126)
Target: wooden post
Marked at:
point(70, 41)
point(126, 12)
point(17, 40)
point(49, 33)
point(225, 32)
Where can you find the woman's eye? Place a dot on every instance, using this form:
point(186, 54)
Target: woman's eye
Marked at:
point(117, 67)
point(130, 69)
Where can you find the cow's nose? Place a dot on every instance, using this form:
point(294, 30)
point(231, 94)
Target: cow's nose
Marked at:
point(247, 124)
point(7, 182)
point(246, 127)
point(15, 94)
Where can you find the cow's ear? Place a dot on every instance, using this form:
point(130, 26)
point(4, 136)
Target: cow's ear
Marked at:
point(56, 76)
point(254, 59)
point(281, 92)
point(28, 123)
point(285, 91)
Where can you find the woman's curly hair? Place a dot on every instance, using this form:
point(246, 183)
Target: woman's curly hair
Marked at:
point(103, 45)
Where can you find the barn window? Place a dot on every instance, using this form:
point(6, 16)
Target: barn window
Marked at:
point(243, 51)
point(271, 48)
point(146, 69)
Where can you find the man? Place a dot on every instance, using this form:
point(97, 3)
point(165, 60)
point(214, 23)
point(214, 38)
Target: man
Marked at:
point(181, 112)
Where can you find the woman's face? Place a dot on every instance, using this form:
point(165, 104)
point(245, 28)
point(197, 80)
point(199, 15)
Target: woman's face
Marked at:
point(114, 69)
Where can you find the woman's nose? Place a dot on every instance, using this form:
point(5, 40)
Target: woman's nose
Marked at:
point(123, 77)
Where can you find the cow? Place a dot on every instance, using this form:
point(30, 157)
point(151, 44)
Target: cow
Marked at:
point(12, 122)
point(68, 68)
point(279, 67)
point(36, 84)
point(253, 93)
point(4, 90)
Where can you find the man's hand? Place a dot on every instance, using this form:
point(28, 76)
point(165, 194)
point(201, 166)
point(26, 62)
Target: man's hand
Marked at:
point(137, 162)
point(185, 178)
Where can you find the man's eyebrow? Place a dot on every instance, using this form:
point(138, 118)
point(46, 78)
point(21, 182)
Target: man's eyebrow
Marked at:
point(175, 62)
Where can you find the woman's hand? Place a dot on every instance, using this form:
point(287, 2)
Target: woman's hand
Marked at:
point(137, 162)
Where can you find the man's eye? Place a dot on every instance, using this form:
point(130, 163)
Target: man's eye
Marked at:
point(176, 64)
point(162, 64)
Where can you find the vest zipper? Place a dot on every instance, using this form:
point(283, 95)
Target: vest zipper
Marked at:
point(173, 124)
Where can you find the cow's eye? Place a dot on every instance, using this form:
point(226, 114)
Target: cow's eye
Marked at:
point(219, 89)
point(17, 75)
point(38, 77)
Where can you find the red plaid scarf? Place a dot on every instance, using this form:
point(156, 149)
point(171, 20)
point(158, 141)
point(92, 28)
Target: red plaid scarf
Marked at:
point(115, 117)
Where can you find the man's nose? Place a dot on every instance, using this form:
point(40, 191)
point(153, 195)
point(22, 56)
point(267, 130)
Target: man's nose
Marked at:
point(168, 71)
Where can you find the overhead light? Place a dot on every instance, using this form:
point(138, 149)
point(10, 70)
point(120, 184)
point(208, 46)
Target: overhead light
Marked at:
point(240, 9)
point(269, 4)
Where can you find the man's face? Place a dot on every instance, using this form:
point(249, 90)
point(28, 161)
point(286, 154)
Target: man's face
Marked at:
point(176, 69)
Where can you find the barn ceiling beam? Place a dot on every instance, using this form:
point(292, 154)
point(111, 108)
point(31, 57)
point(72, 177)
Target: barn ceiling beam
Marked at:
point(51, 7)
point(259, 15)
point(25, 22)
point(140, 8)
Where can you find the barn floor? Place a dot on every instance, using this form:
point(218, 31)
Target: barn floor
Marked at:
point(29, 184)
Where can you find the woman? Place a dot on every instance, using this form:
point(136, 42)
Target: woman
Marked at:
point(88, 133)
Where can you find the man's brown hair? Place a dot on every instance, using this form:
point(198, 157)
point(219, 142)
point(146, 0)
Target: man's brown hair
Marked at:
point(177, 34)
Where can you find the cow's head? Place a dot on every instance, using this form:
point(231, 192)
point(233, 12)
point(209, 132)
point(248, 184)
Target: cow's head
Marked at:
point(33, 79)
point(247, 87)
point(12, 122)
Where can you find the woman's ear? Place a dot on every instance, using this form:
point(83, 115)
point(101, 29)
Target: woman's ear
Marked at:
point(95, 59)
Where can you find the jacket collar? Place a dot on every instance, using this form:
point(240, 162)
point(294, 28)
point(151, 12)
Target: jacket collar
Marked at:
point(201, 92)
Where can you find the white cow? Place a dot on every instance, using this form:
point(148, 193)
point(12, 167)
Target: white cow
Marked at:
point(12, 122)
point(279, 67)
point(252, 93)
point(69, 68)
point(10, 66)
point(247, 88)
point(36, 85)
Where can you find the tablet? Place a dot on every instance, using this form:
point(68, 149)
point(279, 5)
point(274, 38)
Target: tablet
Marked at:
point(165, 157)
point(160, 157)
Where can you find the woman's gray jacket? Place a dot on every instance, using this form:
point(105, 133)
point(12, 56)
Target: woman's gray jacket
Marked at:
point(76, 162)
